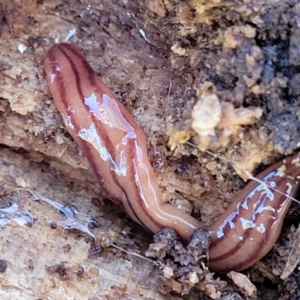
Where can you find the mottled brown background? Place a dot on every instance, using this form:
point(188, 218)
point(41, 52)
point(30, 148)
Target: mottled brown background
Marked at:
point(156, 77)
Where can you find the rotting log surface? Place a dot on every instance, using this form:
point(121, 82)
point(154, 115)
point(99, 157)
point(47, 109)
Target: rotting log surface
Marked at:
point(155, 78)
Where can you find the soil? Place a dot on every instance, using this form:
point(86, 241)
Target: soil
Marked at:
point(159, 57)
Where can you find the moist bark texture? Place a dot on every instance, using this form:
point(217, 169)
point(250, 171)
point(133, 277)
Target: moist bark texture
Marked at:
point(159, 57)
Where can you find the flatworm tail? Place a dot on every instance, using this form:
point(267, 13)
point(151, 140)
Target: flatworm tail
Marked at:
point(112, 141)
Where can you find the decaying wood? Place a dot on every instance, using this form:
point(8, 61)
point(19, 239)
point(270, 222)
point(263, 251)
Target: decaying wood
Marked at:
point(156, 56)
